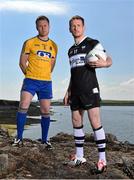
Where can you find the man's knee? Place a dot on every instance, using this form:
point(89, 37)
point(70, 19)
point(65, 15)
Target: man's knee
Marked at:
point(22, 110)
point(46, 115)
point(45, 110)
point(76, 120)
point(23, 107)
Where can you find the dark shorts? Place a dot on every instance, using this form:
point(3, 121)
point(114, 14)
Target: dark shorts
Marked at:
point(43, 89)
point(85, 101)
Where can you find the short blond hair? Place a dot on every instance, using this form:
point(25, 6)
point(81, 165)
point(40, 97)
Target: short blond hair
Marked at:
point(76, 17)
point(39, 18)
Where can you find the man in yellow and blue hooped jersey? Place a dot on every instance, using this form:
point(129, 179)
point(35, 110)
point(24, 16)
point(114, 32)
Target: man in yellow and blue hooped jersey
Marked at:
point(37, 61)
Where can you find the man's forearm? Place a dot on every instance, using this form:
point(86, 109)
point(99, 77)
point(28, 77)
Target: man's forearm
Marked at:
point(23, 68)
point(69, 87)
point(53, 64)
point(23, 62)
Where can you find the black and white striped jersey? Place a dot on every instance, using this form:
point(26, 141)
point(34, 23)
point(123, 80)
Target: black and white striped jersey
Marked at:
point(83, 77)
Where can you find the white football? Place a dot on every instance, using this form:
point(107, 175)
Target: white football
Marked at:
point(97, 50)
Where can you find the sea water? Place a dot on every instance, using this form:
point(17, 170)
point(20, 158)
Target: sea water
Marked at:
point(117, 120)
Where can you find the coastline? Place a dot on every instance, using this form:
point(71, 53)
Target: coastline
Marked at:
point(34, 161)
point(59, 102)
point(110, 115)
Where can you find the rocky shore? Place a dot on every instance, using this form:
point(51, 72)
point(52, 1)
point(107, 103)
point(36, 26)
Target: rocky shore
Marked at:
point(34, 161)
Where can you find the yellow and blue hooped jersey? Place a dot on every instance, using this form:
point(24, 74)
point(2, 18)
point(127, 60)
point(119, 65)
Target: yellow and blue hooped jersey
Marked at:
point(40, 55)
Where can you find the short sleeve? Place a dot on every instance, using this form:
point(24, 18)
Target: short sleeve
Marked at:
point(26, 48)
point(55, 50)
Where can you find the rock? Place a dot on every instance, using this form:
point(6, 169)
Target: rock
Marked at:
point(3, 164)
point(62, 137)
point(111, 138)
point(4, 133)
point(34, 161)
point(128, 166)
point(89, 137)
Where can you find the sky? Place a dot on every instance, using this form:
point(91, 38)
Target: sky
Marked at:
point(109, 21)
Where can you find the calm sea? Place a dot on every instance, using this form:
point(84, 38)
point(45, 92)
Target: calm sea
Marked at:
point(118, 120)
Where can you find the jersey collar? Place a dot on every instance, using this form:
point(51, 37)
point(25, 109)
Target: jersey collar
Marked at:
point(43, 40)
point(76, 44)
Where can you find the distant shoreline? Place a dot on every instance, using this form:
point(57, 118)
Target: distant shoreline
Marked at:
point(60, 103)
point(104, 103)
point(117, 103)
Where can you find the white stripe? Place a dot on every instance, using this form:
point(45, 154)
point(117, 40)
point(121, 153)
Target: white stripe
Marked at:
point(80, 141)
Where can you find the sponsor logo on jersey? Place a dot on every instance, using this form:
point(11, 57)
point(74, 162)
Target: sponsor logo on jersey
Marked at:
point(77, 60)
point(44, 54)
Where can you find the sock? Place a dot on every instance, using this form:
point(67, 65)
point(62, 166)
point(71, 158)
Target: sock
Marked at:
point(45, 123)
point(79, 141)
point(99, 136)
point(21, 120)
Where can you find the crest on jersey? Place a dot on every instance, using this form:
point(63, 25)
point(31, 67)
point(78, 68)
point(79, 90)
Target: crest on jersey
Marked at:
point(44, 45)
point(83, 47)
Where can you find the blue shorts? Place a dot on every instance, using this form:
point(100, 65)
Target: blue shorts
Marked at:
point(43, 89)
